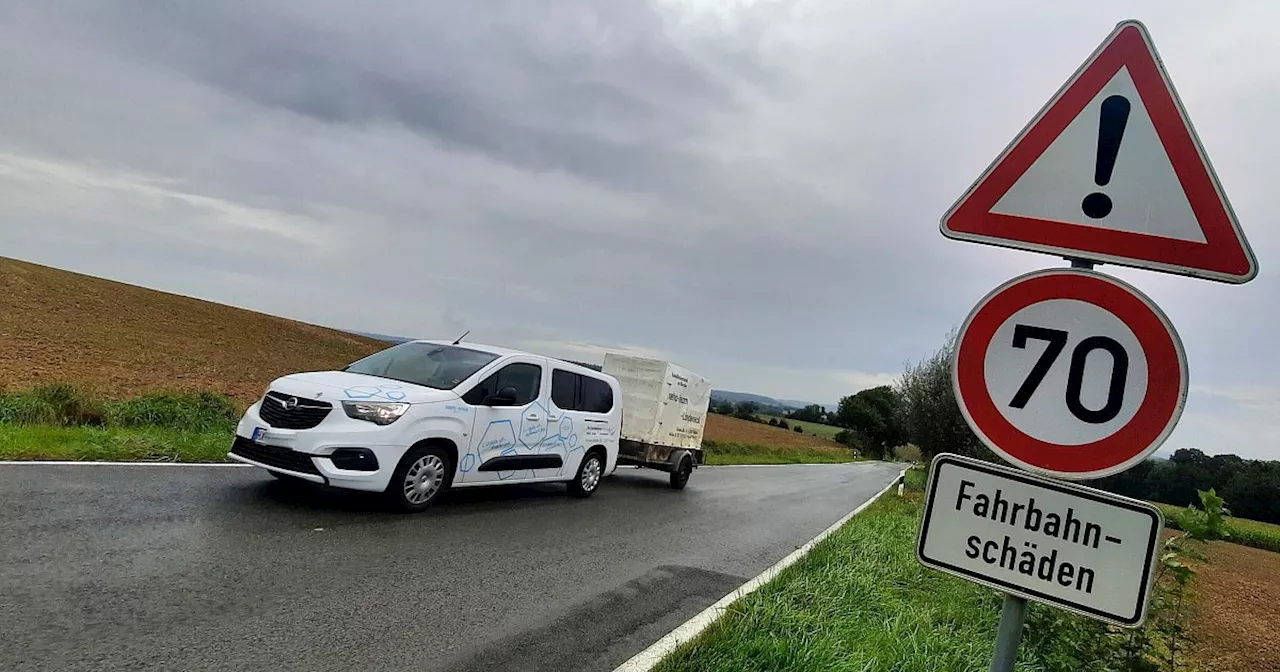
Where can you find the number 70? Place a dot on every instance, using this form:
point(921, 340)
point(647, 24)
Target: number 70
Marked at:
point(1057, 341)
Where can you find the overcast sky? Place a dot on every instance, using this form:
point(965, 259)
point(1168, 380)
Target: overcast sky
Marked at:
point(751, 189)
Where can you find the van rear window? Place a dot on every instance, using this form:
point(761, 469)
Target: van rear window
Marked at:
point(576, 392)
point(597, 396)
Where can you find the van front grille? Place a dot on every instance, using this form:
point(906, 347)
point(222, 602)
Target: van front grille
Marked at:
point(289, 412)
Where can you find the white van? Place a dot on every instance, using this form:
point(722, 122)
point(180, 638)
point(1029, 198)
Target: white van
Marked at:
point(423, 416)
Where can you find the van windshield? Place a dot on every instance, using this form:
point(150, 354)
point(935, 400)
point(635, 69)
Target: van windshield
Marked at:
point(440, 366)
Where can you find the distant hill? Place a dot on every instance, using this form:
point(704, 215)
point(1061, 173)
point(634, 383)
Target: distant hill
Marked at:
point(60, 326)
point(765, 402)
point(381, 337)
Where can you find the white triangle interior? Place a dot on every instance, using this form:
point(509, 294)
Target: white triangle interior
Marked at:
point(1145, 192)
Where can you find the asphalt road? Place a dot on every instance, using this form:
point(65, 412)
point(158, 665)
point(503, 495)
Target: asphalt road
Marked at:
point(219, 568)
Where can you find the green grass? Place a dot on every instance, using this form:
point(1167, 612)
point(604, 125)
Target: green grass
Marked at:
point(862, 602)
point(68, 422)
point(814, 428)
point(146, 444)
point(721, 452)
point(66, 405)
point(1244, 532)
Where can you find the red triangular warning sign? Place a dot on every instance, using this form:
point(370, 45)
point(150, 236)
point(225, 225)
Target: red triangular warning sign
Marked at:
point(1110, 170)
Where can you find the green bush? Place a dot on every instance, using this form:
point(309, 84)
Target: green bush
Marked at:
point(66, 405)
point(908, 453)
point(57, 404)
point(25, 409)
point(192, 411)
point(847, 438)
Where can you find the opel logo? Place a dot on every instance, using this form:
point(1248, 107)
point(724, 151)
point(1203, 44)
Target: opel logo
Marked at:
point(290, 403)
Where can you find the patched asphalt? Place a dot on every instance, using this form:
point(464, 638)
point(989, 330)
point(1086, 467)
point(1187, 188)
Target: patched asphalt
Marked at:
point(220, 568)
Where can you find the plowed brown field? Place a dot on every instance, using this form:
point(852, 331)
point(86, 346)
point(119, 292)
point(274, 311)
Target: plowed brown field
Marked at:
point(1235, 621)
point(58, 326)
point(725, 428)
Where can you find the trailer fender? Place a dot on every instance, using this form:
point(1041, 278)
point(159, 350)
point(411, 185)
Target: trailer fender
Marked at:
point(679, 454)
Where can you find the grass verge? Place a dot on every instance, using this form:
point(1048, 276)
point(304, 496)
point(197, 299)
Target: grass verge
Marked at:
point(68, 405)
point(1240, 531)
point(724, 452)
point(69, 422)
point(117, 444)
point(861, 601)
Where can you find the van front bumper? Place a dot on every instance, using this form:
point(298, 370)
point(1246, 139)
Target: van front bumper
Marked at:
point(310, 454)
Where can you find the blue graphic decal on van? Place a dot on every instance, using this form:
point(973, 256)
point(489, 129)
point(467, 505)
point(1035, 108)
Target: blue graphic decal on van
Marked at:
point(389, 392)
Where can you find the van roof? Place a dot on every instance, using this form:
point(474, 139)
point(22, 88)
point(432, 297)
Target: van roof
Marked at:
point(480, 347)
point(496, 350)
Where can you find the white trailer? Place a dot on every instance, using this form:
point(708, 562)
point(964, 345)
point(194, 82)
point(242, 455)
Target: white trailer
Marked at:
point(664, 408)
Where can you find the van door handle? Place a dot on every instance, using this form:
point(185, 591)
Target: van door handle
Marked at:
point(533, 417)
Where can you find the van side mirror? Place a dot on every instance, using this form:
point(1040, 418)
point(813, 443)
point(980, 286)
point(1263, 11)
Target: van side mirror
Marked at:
point(504, 397)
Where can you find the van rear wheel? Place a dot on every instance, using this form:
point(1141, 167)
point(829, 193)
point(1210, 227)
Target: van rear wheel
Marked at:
point(590, 471)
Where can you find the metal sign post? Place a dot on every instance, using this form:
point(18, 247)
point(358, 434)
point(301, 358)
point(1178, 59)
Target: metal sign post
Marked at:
point(1012, 616)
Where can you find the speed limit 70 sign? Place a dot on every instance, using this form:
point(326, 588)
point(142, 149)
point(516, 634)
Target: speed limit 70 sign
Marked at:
point(1070, 373)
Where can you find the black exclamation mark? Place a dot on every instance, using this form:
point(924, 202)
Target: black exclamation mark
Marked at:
point(1115, 115)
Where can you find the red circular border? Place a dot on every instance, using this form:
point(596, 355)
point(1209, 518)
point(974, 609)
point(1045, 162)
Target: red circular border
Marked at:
point(1165, 373)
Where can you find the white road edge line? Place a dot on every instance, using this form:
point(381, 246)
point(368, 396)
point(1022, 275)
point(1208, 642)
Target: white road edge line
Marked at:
point(92, 463)
point(650, 657)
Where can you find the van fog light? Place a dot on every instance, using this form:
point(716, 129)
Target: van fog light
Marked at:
point(355, 459)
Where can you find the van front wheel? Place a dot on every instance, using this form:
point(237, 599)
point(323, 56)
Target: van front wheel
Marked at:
point(589, 474)
point(422, 475)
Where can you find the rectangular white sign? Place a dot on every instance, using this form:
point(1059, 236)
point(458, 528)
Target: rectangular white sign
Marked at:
point(1062, 544)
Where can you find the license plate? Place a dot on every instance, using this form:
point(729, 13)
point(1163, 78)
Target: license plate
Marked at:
point(258, 434)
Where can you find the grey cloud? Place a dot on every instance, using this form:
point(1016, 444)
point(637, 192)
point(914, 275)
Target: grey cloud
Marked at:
point(599, 89)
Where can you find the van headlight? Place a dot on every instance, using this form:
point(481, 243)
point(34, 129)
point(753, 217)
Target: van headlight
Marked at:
point(377, 412)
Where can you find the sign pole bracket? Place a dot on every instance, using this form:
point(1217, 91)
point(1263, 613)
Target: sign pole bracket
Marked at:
point(1012, 617)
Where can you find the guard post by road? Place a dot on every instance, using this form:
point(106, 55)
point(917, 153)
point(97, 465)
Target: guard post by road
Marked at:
point(1068, 374)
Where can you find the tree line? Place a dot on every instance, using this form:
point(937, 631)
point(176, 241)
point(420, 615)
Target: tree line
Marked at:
point(920, 409)
point(869, 420)
point(750, 410)
point(930, 419)
point(1251, 488)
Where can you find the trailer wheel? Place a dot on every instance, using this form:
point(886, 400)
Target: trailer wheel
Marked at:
point(680, 476)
